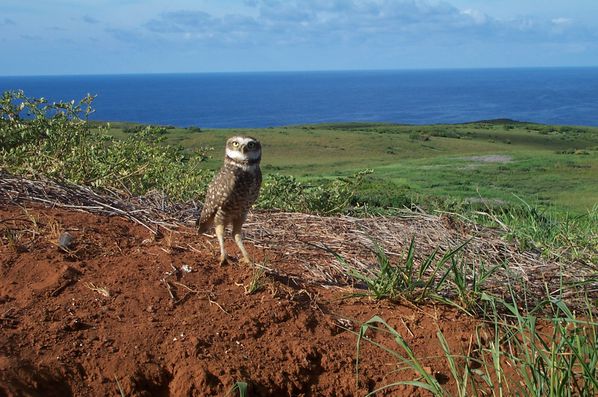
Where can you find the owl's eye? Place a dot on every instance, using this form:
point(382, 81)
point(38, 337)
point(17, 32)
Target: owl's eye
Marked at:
point(235, 144)
point(251, 145)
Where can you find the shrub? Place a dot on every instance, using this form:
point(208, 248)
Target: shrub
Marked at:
point(324, 197)
point(132, 129)
point(382, 194)
point(56, 140)
point(418, 136)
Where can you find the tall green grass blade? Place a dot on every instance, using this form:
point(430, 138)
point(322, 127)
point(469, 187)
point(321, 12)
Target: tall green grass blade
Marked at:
point(460, 380)
point(241, 387)
point(430, 383)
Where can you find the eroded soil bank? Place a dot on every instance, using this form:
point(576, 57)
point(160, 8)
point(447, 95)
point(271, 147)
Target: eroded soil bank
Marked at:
point(159, 317)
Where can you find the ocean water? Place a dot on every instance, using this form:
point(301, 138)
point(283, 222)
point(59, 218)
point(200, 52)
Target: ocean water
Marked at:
point(234, 100)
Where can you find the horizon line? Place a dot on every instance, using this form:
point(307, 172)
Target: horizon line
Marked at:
point(431, 69)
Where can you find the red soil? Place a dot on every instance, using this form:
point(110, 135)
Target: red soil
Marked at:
point(59, 336)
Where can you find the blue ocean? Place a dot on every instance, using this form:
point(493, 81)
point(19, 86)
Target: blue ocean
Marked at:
point(567, 96)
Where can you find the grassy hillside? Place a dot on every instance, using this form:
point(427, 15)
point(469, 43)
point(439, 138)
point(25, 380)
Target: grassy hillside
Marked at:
point(490, 161)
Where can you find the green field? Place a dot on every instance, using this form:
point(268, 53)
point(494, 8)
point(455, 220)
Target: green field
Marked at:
point(489, 162)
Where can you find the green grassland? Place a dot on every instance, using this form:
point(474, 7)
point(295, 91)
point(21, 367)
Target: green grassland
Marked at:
point(490, 162)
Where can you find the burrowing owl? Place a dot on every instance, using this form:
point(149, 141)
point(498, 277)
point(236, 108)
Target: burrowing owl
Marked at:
point(233, 190)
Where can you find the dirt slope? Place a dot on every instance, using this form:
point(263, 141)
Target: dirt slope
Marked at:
point(160, 317)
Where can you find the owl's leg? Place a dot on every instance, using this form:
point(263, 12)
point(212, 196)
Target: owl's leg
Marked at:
point(220, 236)
point(237, 226)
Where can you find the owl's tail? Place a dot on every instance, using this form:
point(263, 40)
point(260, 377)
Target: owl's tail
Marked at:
point(202, 227)
point(205, 220)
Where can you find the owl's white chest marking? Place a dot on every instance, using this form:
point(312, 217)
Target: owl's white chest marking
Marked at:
point(246, 167)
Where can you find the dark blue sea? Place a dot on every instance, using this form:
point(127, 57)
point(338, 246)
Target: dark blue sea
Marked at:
point(552, 96)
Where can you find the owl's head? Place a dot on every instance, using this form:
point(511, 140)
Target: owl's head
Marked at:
point(244, 149)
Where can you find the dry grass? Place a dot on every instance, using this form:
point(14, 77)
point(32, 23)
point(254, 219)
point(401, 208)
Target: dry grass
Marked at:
point(310, 240)
point(304, 238)
point(100, 290)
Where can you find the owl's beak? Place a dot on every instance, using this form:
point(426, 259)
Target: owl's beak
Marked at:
point(244, 149)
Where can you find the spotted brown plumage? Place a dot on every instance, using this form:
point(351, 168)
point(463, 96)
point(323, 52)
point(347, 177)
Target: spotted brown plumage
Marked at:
point(233, 191)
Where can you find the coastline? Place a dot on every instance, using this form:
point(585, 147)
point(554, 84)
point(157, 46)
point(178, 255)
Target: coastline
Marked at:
point(558, 96)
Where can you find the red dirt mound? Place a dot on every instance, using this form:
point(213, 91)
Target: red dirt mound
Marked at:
point(114, 310)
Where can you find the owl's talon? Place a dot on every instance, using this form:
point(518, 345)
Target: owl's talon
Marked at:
point(246, 261)
point(223, 260)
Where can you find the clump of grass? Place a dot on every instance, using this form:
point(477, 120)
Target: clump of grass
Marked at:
point(556, 356)
point(468, 283)
point(257, 282)
point(561, 236)
point(20, 238)
point(12, 237)
point(514, 352)
point(54, 229)
point(525, 355)
point(436, 278)
point(35, 227)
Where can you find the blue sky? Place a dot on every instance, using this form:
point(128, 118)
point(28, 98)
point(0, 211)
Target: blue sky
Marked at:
point(134, 36)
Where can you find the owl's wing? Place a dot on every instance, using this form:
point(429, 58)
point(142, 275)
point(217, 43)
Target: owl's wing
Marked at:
point(255, 191)
point(218, 191)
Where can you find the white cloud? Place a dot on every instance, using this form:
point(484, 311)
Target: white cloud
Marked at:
point(477, 16)
point(320, 22)
point(287, 34)
point(561, 21)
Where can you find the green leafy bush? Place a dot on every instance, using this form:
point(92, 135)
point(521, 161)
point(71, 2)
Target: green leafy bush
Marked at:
point(326, 197)
point(375, 192)
point(56, 140)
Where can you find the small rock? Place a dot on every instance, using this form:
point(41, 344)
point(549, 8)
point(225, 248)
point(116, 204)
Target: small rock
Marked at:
point(65, 241)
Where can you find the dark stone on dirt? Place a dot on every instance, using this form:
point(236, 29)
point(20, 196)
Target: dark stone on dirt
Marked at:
point(66, 241)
